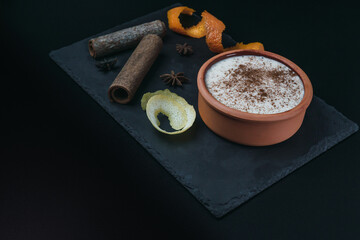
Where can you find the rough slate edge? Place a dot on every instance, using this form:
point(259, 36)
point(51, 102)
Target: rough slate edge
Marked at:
point(234, 202)
point(163, 161)
point(313, 152)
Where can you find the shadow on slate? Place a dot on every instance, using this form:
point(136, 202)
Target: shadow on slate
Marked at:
point(220, 174)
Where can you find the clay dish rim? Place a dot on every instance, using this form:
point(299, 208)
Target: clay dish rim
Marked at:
point(237, 114)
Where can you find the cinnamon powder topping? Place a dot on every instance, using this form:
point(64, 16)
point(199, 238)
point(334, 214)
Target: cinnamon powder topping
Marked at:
point(255, 84)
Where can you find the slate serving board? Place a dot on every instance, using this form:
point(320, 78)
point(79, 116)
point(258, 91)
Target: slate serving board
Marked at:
point(220, 174)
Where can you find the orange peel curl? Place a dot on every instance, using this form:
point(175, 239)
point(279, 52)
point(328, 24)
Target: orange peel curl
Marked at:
point(196, 31)
point(209, 26)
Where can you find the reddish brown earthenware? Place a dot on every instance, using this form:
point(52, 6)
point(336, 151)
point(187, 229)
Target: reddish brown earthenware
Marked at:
point(249, 128)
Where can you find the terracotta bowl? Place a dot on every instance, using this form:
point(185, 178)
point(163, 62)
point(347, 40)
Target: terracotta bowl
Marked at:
point(250, 128)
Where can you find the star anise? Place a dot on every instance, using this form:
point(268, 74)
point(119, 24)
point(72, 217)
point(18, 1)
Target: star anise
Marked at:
point(174, 79)
point(184, 49)
point(106, 64)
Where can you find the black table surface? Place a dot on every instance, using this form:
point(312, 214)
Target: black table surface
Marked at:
point(69, 171)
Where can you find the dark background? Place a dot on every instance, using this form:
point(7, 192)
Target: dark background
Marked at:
point(69, 171)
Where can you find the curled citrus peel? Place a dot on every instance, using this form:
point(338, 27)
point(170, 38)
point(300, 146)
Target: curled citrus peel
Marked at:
point(214, 28)
point(180, 114)
point(209, 26)
point(196, 31)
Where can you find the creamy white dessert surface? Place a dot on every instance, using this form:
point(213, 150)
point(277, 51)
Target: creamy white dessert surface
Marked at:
point(254, 84)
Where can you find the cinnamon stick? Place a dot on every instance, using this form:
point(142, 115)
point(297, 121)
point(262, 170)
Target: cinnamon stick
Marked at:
point(123, 89)
point(127, 38)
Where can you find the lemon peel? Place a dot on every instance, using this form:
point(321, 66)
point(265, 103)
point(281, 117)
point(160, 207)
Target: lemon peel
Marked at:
point(180, 114)
point(148, 95)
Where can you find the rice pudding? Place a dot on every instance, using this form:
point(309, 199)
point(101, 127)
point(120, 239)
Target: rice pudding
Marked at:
point(254, 84)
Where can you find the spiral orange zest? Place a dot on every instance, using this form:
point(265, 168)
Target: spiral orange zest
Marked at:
point(209, 26)
point(196, 31)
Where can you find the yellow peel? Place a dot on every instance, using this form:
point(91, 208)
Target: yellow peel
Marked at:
point(181, 115)
point(148, 95)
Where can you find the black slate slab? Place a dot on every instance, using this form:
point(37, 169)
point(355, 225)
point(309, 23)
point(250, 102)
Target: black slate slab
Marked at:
point(220, 174)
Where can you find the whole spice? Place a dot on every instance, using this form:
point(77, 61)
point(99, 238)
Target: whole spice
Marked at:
point(106, 64)
point(125, 85)
point(124, 39)
point(184, 49)
point(174, 79)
